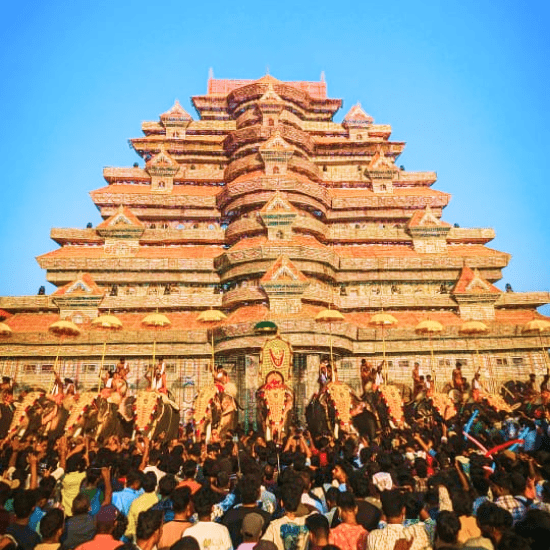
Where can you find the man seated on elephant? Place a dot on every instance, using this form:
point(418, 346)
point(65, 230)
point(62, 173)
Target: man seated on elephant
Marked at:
point(57, 394)
point(456, 377)
point(115, 390)
point(122, 368)
point(157, 381)
point(225, 385)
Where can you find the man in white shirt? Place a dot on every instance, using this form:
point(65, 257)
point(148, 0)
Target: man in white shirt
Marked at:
point(290, 531)
point(209, 535)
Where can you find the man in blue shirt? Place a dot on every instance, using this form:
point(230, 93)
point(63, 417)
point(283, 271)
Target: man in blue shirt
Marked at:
point(123, 499)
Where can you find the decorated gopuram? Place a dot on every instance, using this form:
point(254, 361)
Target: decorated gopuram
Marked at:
point(267, 212)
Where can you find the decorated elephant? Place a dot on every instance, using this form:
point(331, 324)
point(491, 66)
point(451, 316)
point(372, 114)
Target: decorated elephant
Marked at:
point(39, 413)
point(156, 416)
point(275, 402)
point(216, 408)
point(275, 397)
point(336, 409)
point(110, 421)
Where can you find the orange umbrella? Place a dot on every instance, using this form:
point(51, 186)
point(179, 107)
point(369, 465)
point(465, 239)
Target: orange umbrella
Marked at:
point(64, 328)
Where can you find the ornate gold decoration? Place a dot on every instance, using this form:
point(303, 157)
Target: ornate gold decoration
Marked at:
point(146, 404)
point(203, 402)
point(275, 400)
point(394, 401)
point(84, 402)
point(276, 355)
point(340, 395)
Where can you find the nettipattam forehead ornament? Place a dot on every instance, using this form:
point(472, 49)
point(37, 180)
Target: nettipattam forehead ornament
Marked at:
point(276, 355)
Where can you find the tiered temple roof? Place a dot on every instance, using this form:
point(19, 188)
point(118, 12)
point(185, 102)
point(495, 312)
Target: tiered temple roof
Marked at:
point(194, 227)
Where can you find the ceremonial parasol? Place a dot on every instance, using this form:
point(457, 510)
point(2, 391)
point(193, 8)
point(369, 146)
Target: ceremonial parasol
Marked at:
point(155, 320)
point(474, 328)
point(540, 327)
point(212, 316)
point(330, 316)
point(62, 328)
point(383, 321)
point(109, 323)
point(429, 328)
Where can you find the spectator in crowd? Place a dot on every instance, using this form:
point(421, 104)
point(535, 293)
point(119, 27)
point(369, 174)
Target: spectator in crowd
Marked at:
point(210, 535)
point(349, 535)
point(51, 529)
point(173, 530)
point(105, 521)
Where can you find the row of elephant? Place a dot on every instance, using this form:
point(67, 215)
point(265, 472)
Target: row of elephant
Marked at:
point(148, 413)
point(336, 408)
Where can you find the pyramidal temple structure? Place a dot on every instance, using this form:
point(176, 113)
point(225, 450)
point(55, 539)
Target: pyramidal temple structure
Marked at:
point(263, 207)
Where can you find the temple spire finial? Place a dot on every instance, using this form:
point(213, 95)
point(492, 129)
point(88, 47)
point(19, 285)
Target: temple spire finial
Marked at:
point(210, 73)
point(323, 79)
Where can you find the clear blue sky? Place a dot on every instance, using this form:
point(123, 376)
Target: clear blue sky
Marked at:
point(464, 83)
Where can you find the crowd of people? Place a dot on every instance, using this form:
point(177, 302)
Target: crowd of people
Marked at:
point(470, 481)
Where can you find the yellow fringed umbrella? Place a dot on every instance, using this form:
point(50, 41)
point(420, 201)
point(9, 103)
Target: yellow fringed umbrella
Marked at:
point(429, 328)
point(330, 316)
point(155, 321)
point(62, 328)
point(383, 321)
point(108, 322)
point(474, 328)
point(212, 316)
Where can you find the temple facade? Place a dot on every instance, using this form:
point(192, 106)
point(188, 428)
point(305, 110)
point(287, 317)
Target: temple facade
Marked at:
point(265, 208)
